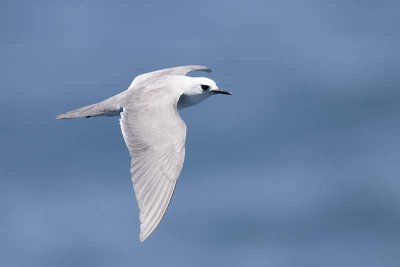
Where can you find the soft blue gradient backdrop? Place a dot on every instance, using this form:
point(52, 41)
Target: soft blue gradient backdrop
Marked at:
point(299, 168)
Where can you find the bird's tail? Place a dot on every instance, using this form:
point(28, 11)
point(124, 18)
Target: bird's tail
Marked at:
point(103, 108)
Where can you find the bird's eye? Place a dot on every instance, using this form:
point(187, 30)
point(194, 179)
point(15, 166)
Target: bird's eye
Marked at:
point(205, 87)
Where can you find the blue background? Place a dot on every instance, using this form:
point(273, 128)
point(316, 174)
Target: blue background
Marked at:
point(299, 168)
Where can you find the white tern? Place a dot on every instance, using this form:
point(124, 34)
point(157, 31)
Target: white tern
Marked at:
point(154, 132)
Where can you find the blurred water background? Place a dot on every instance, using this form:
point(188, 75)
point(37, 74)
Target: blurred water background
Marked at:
point(299, 168)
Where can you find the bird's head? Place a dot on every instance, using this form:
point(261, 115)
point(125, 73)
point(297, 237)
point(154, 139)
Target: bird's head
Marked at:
point(198, 89)
point(204, 86)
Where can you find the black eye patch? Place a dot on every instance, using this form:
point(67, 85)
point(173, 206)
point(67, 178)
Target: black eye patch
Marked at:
point(205, 87)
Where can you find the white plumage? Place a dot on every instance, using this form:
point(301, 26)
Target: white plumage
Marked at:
point(154, 132)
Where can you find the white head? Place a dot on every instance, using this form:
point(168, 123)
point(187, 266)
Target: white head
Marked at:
point(198, 89)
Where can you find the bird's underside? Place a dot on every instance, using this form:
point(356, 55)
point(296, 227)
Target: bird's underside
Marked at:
point(155, 136)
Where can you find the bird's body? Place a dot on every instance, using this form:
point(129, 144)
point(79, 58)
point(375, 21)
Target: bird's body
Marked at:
point(154, 132)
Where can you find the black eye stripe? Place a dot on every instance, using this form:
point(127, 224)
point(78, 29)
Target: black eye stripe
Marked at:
point(205, 87)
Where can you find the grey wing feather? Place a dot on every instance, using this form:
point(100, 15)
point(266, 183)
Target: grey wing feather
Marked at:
point(182, 70)
point(155, 136)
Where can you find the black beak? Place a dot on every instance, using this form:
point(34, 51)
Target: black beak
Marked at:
point(219, 91)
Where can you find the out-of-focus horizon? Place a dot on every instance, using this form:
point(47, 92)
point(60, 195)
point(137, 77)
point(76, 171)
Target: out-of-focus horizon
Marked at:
point(298, 168)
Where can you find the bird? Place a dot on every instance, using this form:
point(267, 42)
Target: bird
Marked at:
point(154, 133)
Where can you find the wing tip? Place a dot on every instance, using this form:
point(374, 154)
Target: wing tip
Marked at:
point(201, 68)
point(146, 230)
point(143, 237)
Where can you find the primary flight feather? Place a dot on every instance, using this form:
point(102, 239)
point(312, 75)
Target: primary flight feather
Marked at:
point(154, 132)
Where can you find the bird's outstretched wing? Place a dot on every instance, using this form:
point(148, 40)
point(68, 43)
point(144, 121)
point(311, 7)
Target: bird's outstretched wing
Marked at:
point(155, 136)
point(182, 70)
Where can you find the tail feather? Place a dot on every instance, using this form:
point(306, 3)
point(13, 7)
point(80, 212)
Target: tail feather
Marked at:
point(99, 109)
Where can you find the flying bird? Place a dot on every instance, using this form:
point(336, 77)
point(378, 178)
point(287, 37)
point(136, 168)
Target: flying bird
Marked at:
point(154, 132)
